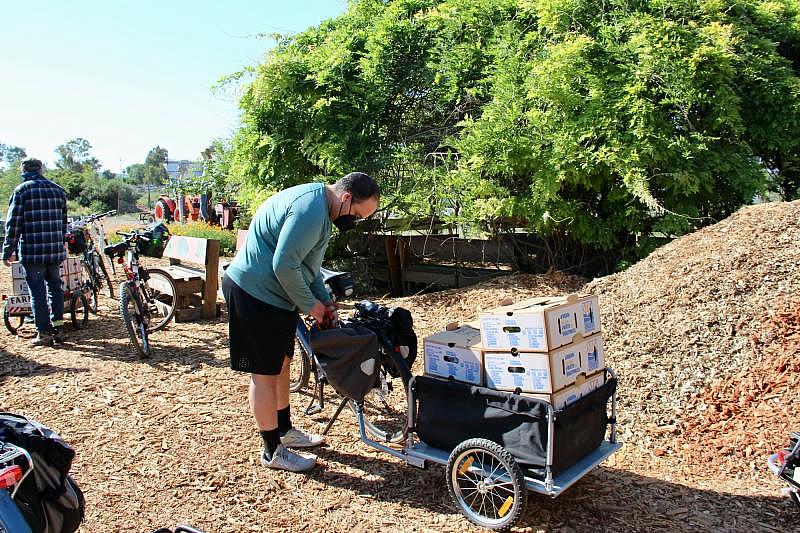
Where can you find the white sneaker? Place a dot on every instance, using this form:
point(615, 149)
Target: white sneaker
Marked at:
point(284, 459)
point(296, 438)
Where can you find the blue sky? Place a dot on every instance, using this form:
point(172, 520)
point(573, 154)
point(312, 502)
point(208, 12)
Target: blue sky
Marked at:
point(130, 75)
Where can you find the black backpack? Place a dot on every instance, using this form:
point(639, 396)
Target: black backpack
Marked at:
point(49, 498)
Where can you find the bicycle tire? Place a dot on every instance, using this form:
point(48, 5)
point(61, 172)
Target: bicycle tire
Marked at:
point(161, 304)
point(301, 365)
point(133, 325)
point(385, 407)
point(104, 271)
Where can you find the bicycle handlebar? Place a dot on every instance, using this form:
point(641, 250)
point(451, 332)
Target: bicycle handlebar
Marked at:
point(129, 235)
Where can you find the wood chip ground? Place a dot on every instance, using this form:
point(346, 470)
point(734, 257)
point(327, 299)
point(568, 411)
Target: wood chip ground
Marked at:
point(704, 334)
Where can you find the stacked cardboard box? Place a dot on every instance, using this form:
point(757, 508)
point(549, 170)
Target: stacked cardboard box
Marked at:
point(71, 272)
point(549, 348)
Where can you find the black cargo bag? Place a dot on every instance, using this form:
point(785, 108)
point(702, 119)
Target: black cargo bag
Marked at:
point(50, 500)
point(449, 413)
point(349, 358)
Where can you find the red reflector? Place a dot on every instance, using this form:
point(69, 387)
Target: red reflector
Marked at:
point(5, 297)
point(120, 260)
point(10, 476)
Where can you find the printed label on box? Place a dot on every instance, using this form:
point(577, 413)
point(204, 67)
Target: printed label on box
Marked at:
point(17, 270)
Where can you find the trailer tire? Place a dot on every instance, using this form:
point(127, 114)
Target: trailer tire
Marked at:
point(486, 484)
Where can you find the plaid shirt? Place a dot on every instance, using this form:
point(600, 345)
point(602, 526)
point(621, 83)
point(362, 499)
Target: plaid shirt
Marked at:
point(36, 222)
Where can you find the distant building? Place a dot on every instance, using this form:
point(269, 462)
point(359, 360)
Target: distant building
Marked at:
point(183, 167)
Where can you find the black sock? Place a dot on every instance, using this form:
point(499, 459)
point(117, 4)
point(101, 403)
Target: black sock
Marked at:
point(284, 421)
point(271, 441)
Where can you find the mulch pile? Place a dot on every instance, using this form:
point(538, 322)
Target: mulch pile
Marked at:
point(684, 318)
point(170, 439)
point(746, 417)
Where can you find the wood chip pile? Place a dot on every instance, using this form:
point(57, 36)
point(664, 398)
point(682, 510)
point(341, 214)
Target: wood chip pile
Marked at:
point(170, 439)
point(683, 319)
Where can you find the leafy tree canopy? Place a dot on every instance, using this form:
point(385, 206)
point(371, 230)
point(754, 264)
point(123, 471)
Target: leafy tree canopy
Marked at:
point(591, 124)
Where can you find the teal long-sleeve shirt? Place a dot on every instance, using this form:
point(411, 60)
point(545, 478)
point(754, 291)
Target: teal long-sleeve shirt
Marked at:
point(282, 255)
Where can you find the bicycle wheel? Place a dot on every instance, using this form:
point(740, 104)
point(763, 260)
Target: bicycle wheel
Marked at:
point(161, 298)
point(486, 484)
point(101, 266)
point(79, 310)
point(300, 368)
point(386, 405)
point(132, 311)
point(12, 322)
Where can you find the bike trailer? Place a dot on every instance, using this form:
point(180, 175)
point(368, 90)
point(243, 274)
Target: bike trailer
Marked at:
point(451, 412)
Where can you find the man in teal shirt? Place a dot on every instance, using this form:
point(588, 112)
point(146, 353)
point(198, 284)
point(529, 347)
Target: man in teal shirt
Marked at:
point(275, 276)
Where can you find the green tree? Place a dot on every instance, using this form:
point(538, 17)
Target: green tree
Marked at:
point(135, 173)
point(75, 156)
point(12, 155)
point(593, 125)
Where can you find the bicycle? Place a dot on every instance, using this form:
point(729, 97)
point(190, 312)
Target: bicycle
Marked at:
point(384, 406)
point(147, 298)
point(95, 273)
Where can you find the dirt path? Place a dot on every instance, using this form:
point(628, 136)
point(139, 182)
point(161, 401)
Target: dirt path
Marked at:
point(170, 440)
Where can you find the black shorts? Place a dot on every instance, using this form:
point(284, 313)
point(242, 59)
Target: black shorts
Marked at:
point(261, 335)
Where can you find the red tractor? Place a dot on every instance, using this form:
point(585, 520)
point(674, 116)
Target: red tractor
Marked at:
point(167, 209)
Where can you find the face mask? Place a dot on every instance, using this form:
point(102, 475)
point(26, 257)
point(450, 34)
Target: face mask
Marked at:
point(345, 222)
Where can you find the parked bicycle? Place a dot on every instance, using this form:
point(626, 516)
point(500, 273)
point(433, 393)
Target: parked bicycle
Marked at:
point(81, 240)
point(147, 297)
point(385, 405)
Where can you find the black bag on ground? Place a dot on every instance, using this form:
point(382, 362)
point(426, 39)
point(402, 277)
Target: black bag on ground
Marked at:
point(449, 413)
point(49, 498)
point(349, 358)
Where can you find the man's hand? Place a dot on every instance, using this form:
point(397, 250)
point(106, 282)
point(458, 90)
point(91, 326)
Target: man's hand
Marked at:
point(318, 312)
point(332, 314)
point(7, 262)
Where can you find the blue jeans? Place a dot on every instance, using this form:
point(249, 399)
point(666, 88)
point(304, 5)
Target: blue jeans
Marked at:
point(44, 283)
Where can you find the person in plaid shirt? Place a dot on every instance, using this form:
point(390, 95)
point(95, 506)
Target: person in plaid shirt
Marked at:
point(36, 224)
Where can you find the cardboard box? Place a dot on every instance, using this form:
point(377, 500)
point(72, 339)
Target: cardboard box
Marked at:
point(73, 265)
point(455, 353)
point(17, 270)
point(574, 392)
point(562, 398)
point(533, 372)
point(539, 324)
point(20, 287)
point(593, 357)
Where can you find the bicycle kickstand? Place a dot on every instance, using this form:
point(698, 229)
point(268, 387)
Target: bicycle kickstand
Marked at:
point(317, 400)
point(336, 414)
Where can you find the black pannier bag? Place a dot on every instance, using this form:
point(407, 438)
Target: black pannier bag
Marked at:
point(76, 241)
point(50, 500)
point(349, 358)
point(394, 327)
point(450, 412)
point(157, 236)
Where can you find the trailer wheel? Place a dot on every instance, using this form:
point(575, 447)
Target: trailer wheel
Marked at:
point(12, 322)
point(486, 484)
point(79, 310)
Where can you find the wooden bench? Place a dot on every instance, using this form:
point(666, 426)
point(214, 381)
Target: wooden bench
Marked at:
point(194, 267)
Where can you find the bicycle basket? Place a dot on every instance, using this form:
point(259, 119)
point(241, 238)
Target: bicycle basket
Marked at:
point(76, 241)
point(157, 236)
